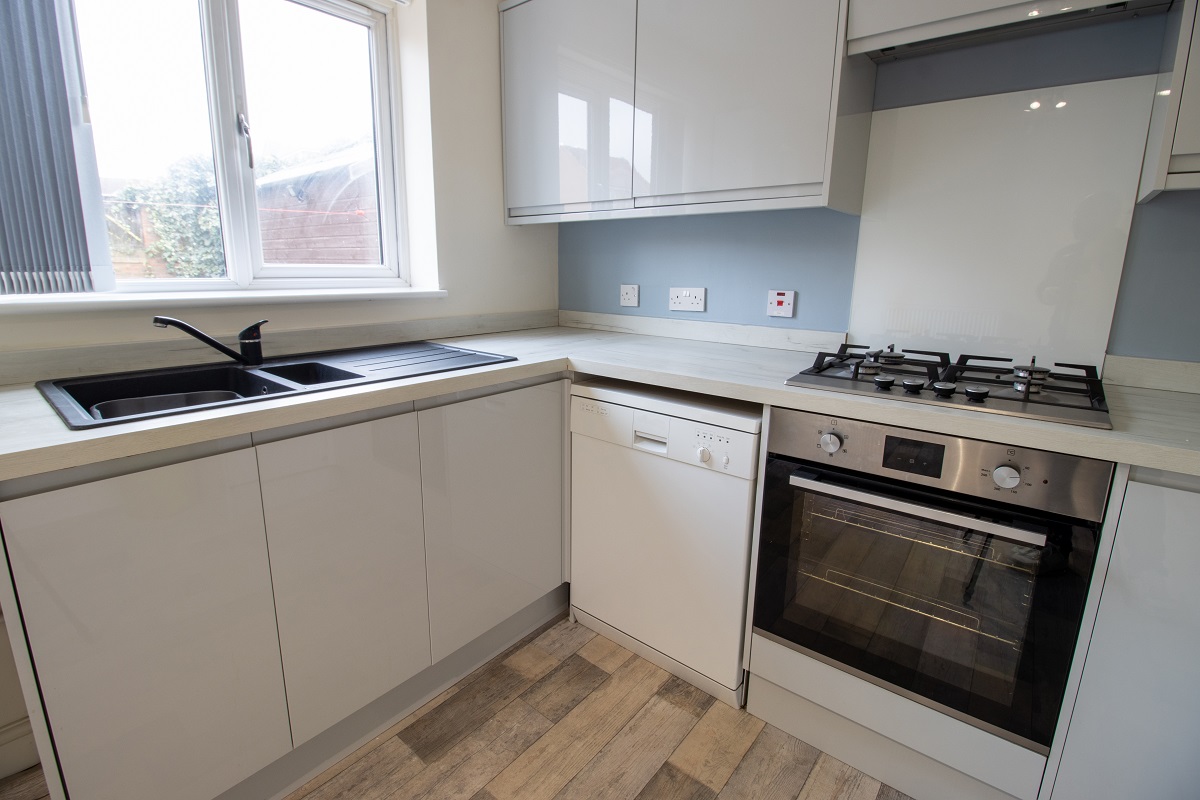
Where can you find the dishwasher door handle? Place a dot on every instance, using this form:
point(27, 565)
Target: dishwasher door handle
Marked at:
point(924, 512)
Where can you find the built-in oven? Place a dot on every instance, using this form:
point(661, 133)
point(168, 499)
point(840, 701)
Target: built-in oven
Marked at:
point(950, 571)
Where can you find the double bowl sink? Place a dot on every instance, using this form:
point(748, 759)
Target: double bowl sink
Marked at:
point(111, 399)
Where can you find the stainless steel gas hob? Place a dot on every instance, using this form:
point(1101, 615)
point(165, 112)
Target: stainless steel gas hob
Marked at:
point(1070, 393)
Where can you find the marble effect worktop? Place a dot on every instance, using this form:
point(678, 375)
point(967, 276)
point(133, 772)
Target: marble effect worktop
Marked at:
point(1151, 428)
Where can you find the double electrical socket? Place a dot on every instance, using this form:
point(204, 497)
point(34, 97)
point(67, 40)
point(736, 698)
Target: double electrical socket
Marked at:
point(686, 300)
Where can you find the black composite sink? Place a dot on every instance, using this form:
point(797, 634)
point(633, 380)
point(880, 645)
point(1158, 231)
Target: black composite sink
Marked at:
point(110, 399)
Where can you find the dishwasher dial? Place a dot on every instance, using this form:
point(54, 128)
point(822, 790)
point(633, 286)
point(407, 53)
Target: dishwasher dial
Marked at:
point(704, 454)
point(1006, 476)
point(831, 443)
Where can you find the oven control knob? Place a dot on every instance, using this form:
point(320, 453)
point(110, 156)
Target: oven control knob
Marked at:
point(1006, 477)
point(704, 454)
point(831, 443)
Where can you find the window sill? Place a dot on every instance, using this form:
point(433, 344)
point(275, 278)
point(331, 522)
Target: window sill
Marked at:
point(50, 303)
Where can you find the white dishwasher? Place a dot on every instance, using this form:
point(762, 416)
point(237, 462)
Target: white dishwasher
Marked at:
point(662, 506)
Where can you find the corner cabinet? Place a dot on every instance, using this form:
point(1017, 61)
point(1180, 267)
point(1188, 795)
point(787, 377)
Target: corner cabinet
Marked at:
point(1173, 146)
point(346, 538)
point(492, 483)
point(1136, 719)
point(731, 107)
point(147, 604)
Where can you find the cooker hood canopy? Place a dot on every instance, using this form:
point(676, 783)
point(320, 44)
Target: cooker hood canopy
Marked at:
point(1073, 18)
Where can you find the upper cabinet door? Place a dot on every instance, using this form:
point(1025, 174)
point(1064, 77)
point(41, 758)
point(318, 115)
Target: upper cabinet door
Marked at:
point(732, 96)
point(1187, 129)
point(568, 101)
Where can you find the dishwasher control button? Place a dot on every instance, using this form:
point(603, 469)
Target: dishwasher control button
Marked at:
point(831, 443)
point(704, 454)
point(1006, 477)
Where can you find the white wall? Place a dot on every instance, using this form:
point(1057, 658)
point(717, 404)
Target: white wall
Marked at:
point(486, 267)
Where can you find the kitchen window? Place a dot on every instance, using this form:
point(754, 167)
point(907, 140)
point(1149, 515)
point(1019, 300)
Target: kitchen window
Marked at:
point(238, 144)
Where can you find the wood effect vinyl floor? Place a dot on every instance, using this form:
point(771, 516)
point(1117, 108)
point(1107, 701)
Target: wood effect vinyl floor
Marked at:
point(568, 714)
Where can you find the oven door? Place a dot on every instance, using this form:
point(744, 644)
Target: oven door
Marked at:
point(962, 605)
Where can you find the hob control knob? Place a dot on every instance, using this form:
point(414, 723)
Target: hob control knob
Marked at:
point(704, 454)
point(831, 443)
point(1006, 477)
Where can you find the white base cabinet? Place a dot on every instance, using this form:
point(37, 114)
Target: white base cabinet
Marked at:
point(491, 478)
point(147, 603)
point(1136, 721)
point(345, 534)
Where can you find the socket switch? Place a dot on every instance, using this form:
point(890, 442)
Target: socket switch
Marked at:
point(629, 294)
point(686, 299)
point(781, 303)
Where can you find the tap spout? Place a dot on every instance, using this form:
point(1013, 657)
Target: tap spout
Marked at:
point(250, 339)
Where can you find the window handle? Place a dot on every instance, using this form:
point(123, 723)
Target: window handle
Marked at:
point(244, 130)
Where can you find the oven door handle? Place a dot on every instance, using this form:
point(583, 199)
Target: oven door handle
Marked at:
point(924, 512)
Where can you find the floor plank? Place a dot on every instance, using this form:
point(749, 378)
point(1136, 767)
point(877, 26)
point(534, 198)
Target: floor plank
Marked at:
point(888, 793)
point(833, 780)
point(375, 775)
point(775, 767)
point(553, 760)
point(466, 767)
point(713, 749)
point(564, 687)
point(605, 653)
point(635, 754)
point(672, 783)
point(29, 784)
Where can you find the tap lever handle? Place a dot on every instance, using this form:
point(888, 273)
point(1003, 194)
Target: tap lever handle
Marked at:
point(251, 333)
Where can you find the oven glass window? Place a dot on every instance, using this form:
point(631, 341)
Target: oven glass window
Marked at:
point(970, 623)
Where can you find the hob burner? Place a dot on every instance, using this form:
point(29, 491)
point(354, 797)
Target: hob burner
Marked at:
point(1070, 393)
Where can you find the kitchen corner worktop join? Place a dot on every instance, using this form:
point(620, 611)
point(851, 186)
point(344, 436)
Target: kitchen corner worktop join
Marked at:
point(1151, 428)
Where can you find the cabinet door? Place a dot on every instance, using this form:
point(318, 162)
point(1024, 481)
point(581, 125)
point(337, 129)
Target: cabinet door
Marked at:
point(733, 96)
point(1187, 129)
point(344, 529)
point(568, 101)
point(491, 472)
point(147, 604)
point(1136, 721)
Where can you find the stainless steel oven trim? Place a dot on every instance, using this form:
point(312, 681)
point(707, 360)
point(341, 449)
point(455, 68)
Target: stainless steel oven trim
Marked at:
point(1041, 750)
point(1068, 485)
point(924, 512)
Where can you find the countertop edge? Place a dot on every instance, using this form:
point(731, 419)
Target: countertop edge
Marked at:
point(1156, 439)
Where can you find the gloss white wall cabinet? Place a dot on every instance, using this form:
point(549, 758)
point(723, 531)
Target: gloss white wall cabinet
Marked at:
point(568, 104)
point(1173, 146)
point(492, 471)
point(736, 107)
point(346, 540)
point(1136, 720)
point(146, 599)
point(878, 24)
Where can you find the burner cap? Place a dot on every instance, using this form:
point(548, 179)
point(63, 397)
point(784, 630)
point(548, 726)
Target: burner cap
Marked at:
point(1031, 371)
point(977, 393)
point(884, 382)
point(891, 357)
point(944, 389)
point(913, 385)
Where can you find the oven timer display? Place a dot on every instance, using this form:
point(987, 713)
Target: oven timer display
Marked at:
point(914, 457)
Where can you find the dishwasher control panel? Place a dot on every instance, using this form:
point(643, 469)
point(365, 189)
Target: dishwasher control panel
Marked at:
point(707, 446)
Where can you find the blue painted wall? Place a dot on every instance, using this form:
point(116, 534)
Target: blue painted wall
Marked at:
point(739, 257)
point(1158, 306)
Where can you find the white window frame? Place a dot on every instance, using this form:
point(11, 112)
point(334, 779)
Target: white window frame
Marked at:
point(235, 180)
